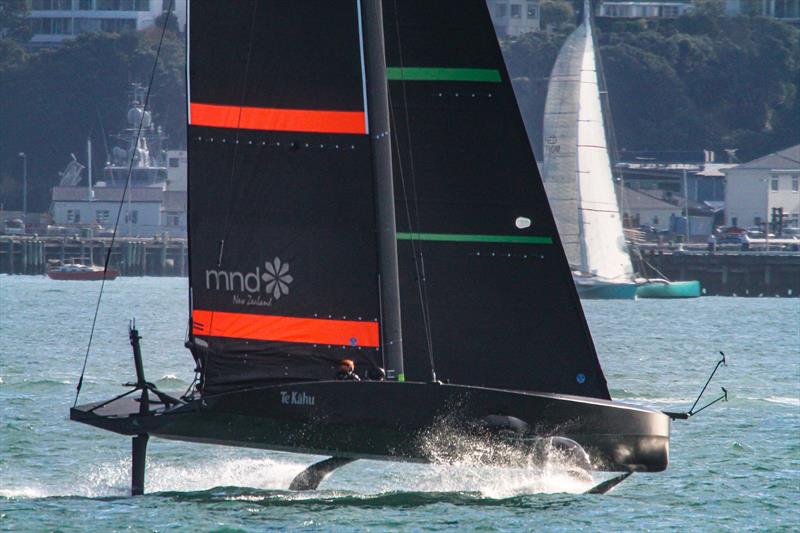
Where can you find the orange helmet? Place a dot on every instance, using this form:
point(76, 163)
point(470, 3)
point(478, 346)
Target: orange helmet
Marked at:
point(348, 363)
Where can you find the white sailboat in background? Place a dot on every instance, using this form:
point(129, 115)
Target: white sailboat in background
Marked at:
point(576, 170)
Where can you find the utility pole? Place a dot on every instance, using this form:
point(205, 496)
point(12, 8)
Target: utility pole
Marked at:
point(24, 191)
point(89, 167)
point(686, 204)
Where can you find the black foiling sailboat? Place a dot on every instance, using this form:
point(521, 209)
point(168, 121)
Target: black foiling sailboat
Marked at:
point(303, 144)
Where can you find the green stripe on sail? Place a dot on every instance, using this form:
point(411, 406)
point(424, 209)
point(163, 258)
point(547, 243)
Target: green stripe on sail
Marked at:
point(461, 237)
point(443, 74)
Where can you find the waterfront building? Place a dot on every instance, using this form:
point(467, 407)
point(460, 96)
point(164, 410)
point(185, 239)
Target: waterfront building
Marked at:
point(142, 178)
point(643, 9)
point(695, 175)
point(512, 18)
point(642, 209)
point(54, 21)
point(765, 191)
point(150, 208)
point(646, 209)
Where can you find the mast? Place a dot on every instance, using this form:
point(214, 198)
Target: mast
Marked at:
point(89, 167)
point(377, 97)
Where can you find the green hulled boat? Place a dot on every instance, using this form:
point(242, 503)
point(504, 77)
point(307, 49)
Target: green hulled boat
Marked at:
point(662, 288)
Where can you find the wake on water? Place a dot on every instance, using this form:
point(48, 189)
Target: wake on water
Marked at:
point(253, 478)
point(472, 467)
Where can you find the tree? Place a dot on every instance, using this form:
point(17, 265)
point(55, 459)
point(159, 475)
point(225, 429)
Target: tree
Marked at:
point(13, 20)
point(555, 13)
point(171, 22)
point(62, 96)
point(696, 82)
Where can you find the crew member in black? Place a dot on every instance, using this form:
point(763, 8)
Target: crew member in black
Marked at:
point(347, 371)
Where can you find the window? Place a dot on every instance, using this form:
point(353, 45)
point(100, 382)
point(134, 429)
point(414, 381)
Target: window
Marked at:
point(62, 26)
point(40, 26)
point(174, 162)
point(117, 25)
point(516, 11)
point(669, 11)
point(51, 5)
point(85, 5)
point(82, 25)
point(774, 184)
point(501, 10)
point(735, 222)
point(123, 5)
point(52, 26)
point(795, 184)
point(102, 216)
point(533, 10)
point(173, 220)
point(73, 216)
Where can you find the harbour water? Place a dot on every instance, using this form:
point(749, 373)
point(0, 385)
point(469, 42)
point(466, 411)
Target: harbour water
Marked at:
point(734, 467)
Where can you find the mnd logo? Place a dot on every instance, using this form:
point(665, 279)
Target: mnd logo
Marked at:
point(259, 288)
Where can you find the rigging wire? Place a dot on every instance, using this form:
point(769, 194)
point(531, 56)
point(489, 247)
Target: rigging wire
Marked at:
point(419, 264)
point(145, 104)
point(229, 204)
point(605, 101)
point(226, 226)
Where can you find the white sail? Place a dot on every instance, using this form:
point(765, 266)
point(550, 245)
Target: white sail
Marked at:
point(576, 166)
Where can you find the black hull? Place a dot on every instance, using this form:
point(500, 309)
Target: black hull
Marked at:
point(396, 421)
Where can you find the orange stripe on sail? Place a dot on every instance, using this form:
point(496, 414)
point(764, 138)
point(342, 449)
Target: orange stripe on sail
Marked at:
point(285, 328)
point(274, 119)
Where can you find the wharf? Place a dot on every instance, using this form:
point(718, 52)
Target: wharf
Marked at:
point(29, 254)
point(725, 272)
point(731, 272)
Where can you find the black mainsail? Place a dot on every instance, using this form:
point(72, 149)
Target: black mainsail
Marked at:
point(284, 260)
point(297, 259)
point(492, 301)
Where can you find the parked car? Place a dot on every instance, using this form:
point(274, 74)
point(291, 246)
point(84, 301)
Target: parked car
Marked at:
point(757, 233)
point(14, 226)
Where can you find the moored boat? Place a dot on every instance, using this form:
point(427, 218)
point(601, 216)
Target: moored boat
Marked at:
point(576, 170)
point(664, 288)
point(81, 272)
point(596, 288)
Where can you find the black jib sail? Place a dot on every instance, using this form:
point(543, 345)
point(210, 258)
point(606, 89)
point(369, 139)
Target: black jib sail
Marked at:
point(284, 266)
point(485, 285)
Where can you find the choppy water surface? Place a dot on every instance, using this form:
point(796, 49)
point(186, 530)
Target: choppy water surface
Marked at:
point(734, 467)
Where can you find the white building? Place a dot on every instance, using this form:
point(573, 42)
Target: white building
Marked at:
point(173, 209)
point(177, 164)
point(141, 216)
point(512, 18)
point(643, 9)
point(642, 209)
point(53, 21)
point(757, 190)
